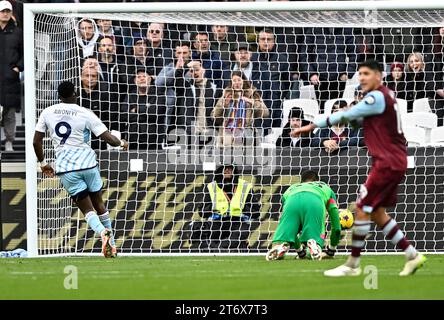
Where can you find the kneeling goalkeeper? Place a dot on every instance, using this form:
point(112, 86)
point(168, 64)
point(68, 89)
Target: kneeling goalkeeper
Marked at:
point(302, 223)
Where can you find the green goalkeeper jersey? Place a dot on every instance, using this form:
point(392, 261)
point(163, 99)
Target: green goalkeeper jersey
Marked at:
point(328, 197)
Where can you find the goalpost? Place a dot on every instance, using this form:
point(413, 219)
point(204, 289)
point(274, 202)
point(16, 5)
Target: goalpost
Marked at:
point(155, 196)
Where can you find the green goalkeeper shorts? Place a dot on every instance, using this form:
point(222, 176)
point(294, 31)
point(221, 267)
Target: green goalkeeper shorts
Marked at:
point(303, 213)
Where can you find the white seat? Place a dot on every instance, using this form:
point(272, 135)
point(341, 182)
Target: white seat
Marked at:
point(424, 120)
point(437, 136)
point(307, 92)
point(354, 80)
point(349, 91)
point(328, 105)
point(421, 105)
point(310, 107)
point(415, 136)
point(272, 137)
point(402, 105)
point(265, 145)
point(43, 54)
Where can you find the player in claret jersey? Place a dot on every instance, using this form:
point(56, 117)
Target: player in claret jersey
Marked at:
point(70, 127)
point(386, 144)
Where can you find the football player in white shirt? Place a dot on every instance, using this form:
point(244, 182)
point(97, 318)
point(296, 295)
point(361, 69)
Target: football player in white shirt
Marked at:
point(70, 127)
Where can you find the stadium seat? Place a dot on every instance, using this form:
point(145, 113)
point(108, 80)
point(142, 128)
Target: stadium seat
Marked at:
point(271, 138)
point(402, 105)
point(329, 105)
point(437, 136)
point(349, 91)
point(353, 80)
point(421, 105)
point(310, 107)
point(424, 120)
point(307, 92)
point(43, 54)
point(415, 136)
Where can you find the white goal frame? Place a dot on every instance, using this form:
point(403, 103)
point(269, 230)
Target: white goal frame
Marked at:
point(30, 10)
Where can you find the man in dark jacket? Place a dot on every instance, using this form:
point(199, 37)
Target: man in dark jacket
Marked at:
point(295, 120)
point(241, 58)
point(112, 69)
point(143, 114)
point(96, 96)
point(106, 29)
point(136, 58)
point(273, 77)
point(159, 50)
point(171, 80)
point(220, 42)
point(216, 70)
point(11, 63)
point(327, 60)
point(229, 207)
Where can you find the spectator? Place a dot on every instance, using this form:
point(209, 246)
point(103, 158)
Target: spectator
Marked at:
point(11, 64)
point(287, 40)
point(327, 60)
point(143, 114)
point(201, 95)
point(295, 121)
point(416, 82)
point(106, 29)
point(437, 64)
point(338, 136)
point(220, 42)
point(111, 70)
point(358, 95)
point(242, 61)
point(97, 96)
point(92, 63)
point(159, 52)
point(399, 41)
point(137, 59)
point(237, 109)
point(172, 80)
point(395, 81)
point(272, 78)
point(230, 204)
point(369, 44)
point(132, 30)
point(211, 61)
point(87, 34)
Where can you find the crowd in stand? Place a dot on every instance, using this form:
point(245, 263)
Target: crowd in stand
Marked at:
point(151, 80)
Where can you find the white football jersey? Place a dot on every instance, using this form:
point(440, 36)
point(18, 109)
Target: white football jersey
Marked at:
point(70, 128)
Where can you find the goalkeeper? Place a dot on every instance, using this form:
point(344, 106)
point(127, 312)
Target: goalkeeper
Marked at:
point(302, 223)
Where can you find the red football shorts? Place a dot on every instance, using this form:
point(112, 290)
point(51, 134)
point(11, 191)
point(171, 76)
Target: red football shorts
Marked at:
point(380, 189)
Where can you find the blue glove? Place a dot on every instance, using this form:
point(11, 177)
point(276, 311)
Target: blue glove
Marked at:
point(245, 218)
point(215, 216)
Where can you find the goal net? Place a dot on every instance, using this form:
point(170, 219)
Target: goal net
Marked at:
point(200, 89)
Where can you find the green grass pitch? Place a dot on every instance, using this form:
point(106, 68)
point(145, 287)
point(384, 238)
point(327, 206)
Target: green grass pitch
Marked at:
point(213, 278)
